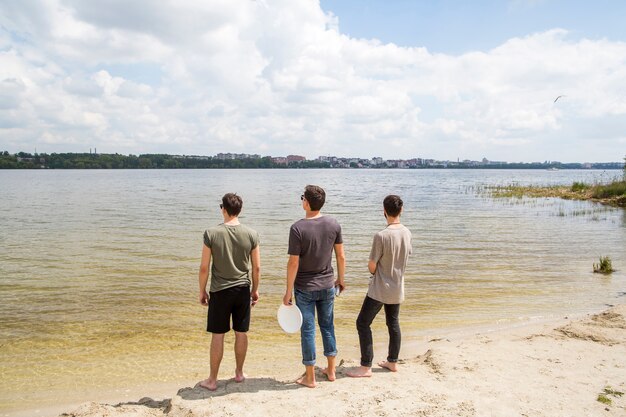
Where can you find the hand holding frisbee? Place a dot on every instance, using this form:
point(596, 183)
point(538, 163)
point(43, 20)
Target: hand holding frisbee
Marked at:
point(289, 318)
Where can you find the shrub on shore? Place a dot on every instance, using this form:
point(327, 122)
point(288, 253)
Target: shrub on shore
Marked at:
point(614, 189)
point(604, 267)
point(613, 193)
point(579, 186)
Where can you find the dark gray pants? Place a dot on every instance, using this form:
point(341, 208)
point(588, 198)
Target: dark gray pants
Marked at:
point(369, 310)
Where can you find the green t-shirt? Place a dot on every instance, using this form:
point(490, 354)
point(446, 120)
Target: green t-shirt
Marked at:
point(230, 250)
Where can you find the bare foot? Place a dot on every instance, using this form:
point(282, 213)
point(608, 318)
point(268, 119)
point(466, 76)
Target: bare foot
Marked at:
point(392, 366)
point(209, 384)
point(330, 375)
point(360, 372)
point(306, 382)
point(240, 376)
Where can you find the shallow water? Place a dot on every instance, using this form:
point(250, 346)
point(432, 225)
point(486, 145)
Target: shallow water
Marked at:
point(98, 269)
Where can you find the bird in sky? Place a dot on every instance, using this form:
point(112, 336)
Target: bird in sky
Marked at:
point(558, 98)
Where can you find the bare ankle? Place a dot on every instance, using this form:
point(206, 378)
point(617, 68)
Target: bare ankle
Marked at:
point(209, 383)
point(360, 372)
point(307, 381)
point(392, 366)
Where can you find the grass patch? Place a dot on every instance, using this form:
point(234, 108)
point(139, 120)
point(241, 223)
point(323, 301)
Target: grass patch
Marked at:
point(604, 267)
point(613, 194)
point(603, 397)
point(614, 189)
point(579, 186)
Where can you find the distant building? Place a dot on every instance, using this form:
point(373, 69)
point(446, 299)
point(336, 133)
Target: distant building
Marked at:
point(295, 158)
point(279, 160)
point(204, 158)
point(236, 156)
point(488, 162)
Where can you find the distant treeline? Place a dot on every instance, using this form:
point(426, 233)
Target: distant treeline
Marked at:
point(22, 160)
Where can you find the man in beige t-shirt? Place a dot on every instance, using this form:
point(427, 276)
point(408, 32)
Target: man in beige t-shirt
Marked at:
point(390, 251)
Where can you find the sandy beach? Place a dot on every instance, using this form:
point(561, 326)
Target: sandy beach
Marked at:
point(561, 368)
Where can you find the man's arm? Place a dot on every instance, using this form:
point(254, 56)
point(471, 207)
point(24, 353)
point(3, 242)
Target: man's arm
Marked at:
point(341, 266)
point(292, 270)
point(371, 265)
point(255, 257)
point(203, 275)
point(375, 254)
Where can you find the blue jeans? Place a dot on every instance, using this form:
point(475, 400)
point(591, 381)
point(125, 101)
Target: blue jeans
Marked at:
point(324, 302)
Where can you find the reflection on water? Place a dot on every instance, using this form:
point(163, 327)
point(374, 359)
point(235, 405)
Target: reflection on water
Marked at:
point(98, 271)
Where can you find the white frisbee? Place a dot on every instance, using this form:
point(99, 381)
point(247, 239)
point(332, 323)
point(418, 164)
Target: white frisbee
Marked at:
point(289, 318)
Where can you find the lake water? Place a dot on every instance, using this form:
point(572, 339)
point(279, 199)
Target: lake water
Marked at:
point(98, 269)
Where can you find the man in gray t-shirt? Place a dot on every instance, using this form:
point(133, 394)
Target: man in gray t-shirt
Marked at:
point(388, 258)
point(312, 241)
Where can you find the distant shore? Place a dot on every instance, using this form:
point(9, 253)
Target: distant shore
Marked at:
point(22, 160)
point(569, 367)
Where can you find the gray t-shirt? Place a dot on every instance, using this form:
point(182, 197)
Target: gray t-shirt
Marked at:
point(230, 249)
point(390, 250)
point(313, 240)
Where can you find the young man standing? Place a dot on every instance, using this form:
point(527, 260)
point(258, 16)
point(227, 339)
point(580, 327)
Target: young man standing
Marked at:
point(312, 241)
point(388, 257)
point(232, 246)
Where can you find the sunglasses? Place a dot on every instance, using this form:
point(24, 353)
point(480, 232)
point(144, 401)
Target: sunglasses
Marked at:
point(302, 197)
point(221, 206)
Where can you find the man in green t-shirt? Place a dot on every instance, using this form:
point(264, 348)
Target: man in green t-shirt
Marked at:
point(232, 247)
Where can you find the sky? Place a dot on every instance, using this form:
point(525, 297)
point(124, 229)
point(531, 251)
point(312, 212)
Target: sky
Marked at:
point(445, 80)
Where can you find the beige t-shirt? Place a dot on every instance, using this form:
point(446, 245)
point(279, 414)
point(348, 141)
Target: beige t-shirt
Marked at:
point(390, 250)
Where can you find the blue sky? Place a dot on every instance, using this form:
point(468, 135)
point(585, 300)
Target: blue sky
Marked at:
point(397, 79)
point(454, 27)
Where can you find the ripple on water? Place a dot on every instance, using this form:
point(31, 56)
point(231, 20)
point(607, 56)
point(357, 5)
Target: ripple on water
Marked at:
point(99, 268)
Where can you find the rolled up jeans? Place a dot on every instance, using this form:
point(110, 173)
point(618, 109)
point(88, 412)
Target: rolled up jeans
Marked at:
point(369, 310)
point(308, 302)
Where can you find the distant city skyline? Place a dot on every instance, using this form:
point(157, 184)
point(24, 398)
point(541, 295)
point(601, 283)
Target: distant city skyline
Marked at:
point(446, 79)
point(373, 160)
point(380, 160)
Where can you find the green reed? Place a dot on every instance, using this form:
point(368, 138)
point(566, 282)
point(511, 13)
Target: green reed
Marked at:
point(604, 267)
point(613, 193)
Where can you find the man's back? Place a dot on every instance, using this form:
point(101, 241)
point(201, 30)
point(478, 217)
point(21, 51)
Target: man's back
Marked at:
point(390, 249)
point(230, 247)
point(313, 241)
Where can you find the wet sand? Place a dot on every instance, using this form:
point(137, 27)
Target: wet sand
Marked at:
point(550, 369)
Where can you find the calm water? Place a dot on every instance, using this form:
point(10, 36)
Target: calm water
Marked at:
point(98, 269)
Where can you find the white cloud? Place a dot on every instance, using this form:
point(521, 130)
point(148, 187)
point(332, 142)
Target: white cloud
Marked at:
point(276, 77)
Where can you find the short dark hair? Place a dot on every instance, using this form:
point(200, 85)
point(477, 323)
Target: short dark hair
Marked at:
point(232, 203)
point(393, 205)
point(315, 196)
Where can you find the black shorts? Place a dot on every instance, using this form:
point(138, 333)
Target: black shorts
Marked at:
point(233, 301)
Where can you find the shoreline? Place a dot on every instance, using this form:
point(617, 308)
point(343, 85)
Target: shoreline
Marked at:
point(438, 360)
